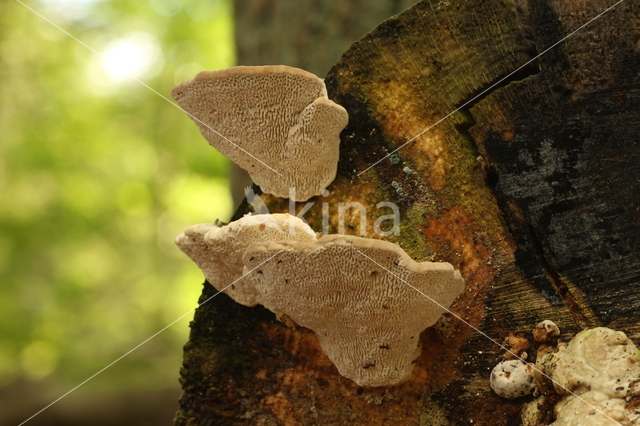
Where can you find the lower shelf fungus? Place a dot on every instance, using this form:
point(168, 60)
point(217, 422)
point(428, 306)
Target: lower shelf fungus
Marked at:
point(327, 287)
point(218, 251)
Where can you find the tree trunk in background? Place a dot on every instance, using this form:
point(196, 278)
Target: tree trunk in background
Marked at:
point(532, 191)
point(308, 34)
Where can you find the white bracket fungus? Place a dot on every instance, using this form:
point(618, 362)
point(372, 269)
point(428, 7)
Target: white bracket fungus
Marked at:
point(276, 122)
point(218, 250)
point(512, 379)
point(598, 373)
point(356, 295)
point(573, 411)
point(598, 359)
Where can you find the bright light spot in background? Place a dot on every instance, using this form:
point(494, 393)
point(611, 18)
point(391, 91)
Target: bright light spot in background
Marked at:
point(68, 10)
point(203, 11)
point(135, 198)
point(167, 7)
point(39, 359)
point(137, 55)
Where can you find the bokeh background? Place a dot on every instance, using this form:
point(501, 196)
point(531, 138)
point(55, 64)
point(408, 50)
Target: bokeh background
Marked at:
point(98, 174)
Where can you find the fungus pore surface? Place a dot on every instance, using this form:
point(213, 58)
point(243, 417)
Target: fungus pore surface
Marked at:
point(218, 250)
point(276, 122)
point(356, 295)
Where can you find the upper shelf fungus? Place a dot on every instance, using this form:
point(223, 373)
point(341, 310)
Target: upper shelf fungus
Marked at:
point(276, 122)
point(361, 297)
point(218, 250)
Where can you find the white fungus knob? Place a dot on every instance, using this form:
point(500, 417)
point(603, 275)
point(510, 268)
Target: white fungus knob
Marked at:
point(512, 379)
point(546, 331)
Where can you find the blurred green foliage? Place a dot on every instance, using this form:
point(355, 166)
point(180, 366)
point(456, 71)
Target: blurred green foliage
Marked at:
point(98, 174)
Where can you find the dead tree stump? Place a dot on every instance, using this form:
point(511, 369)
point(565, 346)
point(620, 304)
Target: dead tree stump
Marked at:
point(531, 189)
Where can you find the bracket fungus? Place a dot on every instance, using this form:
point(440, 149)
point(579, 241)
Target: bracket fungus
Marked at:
point(276, 122)
point(598, 376)
point(218, 250)
point(356, 295)
point(598, 359)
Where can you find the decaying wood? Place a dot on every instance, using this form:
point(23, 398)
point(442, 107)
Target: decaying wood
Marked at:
point(532, 191)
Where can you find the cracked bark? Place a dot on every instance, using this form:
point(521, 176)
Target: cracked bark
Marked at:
point(545, 226)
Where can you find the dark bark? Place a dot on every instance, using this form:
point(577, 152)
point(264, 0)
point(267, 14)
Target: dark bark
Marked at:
point(532, 191)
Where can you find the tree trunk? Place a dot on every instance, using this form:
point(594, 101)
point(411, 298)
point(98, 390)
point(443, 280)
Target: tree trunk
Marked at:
point(531, 189)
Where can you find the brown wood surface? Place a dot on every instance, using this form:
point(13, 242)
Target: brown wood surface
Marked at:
point(532, 191)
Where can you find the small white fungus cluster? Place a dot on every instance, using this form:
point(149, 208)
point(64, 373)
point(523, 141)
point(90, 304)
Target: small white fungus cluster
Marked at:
point(512, 379)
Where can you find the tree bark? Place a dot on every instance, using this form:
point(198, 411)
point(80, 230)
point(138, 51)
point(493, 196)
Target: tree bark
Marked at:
point(531, 189)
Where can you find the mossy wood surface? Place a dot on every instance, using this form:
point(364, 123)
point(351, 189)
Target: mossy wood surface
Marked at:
point(532, 191)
